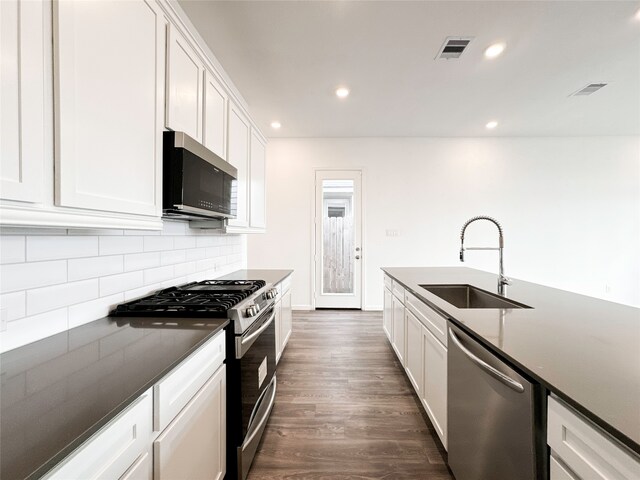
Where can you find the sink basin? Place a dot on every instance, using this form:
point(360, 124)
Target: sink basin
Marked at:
point(468, 296)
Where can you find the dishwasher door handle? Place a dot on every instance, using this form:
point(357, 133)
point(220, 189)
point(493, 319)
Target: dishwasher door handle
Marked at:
point(508, 381)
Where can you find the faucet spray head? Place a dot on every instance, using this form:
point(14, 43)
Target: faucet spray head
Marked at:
point(462, 254)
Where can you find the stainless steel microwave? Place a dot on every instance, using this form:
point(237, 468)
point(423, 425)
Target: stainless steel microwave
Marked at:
point(197, 183)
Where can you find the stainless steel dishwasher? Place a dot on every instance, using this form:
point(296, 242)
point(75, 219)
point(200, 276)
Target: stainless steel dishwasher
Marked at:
point(496, 416)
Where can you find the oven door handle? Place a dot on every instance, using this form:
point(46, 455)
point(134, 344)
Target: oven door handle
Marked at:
point(258, 427)
point(243, 344)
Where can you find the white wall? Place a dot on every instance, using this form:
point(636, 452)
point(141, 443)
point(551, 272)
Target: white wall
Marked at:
point(53, 280)
point(570, 208)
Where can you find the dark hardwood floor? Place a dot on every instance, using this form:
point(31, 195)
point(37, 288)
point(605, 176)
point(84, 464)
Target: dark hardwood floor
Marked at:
point(344, 408)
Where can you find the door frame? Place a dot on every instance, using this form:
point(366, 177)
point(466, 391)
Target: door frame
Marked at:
point(363, 241)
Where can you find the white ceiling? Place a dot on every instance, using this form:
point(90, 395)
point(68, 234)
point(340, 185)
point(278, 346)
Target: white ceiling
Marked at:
point(287, 58)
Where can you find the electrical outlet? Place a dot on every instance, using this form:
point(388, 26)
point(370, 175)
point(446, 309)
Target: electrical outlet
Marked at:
point(4, 316)
point(392, 233)
point(607, 288)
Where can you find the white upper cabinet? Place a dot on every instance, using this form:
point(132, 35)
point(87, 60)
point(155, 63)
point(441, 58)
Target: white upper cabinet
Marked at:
point(22, 99)
point(109, 61)
point(257, 198)
point(239, 135)
point(185, 77)
point(215, 116)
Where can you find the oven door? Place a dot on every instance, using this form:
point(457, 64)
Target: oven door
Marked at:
point(255, 352)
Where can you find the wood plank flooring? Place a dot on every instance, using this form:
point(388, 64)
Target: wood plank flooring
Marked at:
point(344, 408)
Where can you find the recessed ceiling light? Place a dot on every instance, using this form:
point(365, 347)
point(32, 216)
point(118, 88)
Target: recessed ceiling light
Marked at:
point(494, 50)
point(342, 92)
point(276, 125)
point(491, 125)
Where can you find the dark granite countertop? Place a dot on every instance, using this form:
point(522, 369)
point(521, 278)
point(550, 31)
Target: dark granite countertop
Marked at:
point(585, 350)
point(270, 276)
point(57, 392)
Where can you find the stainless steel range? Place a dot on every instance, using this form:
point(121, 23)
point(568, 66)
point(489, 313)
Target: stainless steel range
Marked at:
point(251, 350)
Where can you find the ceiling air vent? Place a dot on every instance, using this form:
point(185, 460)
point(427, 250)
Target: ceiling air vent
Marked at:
point(453, 47)
point(589, 89)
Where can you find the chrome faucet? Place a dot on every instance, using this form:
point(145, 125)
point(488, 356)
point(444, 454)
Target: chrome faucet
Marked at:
point(502, 280)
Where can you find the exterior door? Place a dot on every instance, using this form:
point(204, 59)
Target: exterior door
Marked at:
point(338, 239)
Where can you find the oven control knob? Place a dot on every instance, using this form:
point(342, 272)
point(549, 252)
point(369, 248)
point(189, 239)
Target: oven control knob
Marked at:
point(251, 311)
point(274, 293)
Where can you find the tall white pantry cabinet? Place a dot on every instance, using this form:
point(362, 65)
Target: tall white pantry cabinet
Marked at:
point(101, 81)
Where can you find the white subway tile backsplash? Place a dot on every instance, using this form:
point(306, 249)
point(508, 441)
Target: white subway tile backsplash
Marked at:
point(184, 242)
point(30, 329)
point(120, 283)
point(140, 261)
point(53, 280)
point(81, 268)
point(154, 244)
point(116, 245)
point(15, 304)
point(155, 275)
point(174, 228)
point(47, 247)
point(50, 298)
point(88, 311)
point(172, 257)
point(21, 276)
point(12, 249)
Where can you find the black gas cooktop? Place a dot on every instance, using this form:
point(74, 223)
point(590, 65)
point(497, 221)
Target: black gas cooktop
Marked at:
point(211, 298)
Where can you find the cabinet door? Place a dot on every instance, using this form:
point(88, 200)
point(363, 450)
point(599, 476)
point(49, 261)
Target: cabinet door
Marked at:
point(215, 116)
point(239, 135)
point(193, 446)
point(398, 328)
point(22, 107)
point(109, 72)
point(434, 392)
point(114, 449)
point(387, 314)
point(141, 470)
point(278, 322)
point(185, 76)
point(257, 198)
point(287, 319)
point(414, 360)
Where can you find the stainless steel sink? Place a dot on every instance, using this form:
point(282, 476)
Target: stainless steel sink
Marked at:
point(468, 296)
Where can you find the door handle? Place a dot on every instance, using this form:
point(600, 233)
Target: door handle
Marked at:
point(508, 381)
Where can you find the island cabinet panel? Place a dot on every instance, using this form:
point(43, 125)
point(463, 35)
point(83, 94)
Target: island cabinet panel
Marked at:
point(215, 116)
point(278, 321)
point(398, 329)
point(114, 449)
point(22, 100)
point(109, 60)
point(414, 354)
point(238, 156)
point(185, 77)
point(283, 316)
point(387, 314)
point(585, 449)
point(434, 391)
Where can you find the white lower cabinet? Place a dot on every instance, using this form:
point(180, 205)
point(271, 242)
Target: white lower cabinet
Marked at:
point(434, 391)
point(387, 314)
point(414, 353)
point(581, 451)
point(193, 445)
point(398, 328)
point(284, 317)
point(142, 469)
point(114, 449)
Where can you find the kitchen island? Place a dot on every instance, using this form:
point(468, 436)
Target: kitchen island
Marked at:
point(582, 349)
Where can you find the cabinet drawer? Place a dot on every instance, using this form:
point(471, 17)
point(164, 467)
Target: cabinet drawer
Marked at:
point(141, 469)
point(114, 448)
point(398, 291)
point(284, 286)
point(559, 471)
point(586, 450)
point(175, 390)
point(435, 322)
point(388, 282)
